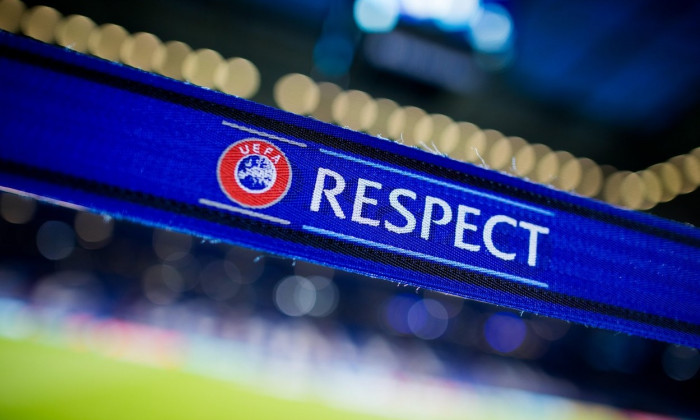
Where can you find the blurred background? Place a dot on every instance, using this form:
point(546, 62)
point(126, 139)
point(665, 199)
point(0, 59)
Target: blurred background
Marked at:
point(598, 98)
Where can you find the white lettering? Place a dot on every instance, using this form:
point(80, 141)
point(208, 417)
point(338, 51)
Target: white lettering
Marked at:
point(330, 194)
point(244, 149)
point(462, 225)
point(532, 249)
point(488, 235)
point(410, 218)
point(360, 199)
point(466, 223)
point(256, 147)
point(428, 215)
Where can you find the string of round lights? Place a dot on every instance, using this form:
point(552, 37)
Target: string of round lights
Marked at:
point(358, 110)
point(143, 50)
point(465, 141)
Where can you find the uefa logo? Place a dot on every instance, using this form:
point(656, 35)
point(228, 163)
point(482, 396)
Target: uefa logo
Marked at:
point(254, 173)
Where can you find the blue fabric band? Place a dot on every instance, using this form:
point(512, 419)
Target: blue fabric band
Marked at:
point(142, 147)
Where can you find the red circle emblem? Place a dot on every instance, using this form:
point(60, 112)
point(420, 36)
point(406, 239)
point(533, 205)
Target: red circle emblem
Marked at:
point(254, 173)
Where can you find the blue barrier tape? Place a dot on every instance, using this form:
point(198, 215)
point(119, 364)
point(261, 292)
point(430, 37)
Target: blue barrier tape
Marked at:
point(142, 147)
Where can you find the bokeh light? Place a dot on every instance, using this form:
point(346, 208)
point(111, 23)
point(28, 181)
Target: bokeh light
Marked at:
point(16, 208)
point(429, 129)
point(73, 32)
point(671, 180)
point(546, 168)
point(327, 93)
point(591, 178)
point(500, 154)
point(93, 229)
point(168, 60)
point(295, 296)
point(106, 41)
point(454, 138)
point(10, 14)
point(55, 240)
point(376, 15)
point(237, 76)
point(689, 168)
point(382, 109)
point(475, 146)
point(492, 32)
point(138, 50)
point(326, 296)
point(162, 284)
point(456, 15)
point(402, 123)
point(297, 93)
point(40, 22)
point(681, 363)
point(612, 191)
point(570, 172)
point(427, 319)
point(504, 332)
point(516, 144)
point(199, 66)
point(395, 313)
point(354, 109)
point(632, 191)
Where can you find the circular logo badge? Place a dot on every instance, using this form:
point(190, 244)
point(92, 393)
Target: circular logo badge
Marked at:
point(254, 173)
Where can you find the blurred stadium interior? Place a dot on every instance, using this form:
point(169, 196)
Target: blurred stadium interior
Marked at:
point(594, 97)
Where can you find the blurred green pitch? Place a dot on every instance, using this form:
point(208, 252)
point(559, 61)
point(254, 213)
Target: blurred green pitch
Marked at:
point(40, 382)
